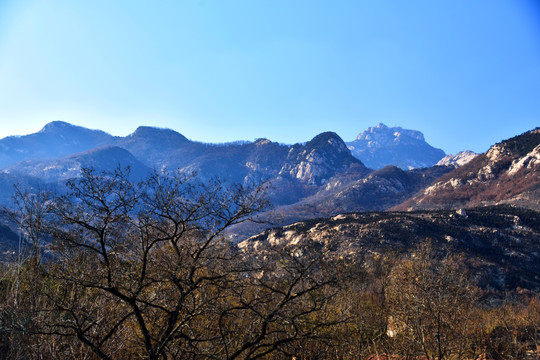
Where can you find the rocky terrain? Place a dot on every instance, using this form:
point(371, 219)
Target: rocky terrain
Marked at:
point(501, 244)
point(351, 191)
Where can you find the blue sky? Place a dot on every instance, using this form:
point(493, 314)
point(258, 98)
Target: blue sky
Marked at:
point(465, 73)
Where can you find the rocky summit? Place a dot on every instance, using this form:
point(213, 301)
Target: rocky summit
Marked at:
point(318, 160)
point(380, 146)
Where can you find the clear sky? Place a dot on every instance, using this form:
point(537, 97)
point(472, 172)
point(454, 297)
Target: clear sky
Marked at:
point(465, 73)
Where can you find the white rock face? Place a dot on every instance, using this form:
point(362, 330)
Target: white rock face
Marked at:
point(532, 159)
point(458, 160)
point(381, 135)
point(496, 153)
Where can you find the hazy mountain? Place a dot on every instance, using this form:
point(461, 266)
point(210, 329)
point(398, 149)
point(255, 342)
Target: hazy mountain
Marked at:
point(156, 147)
point(460, 159)
point(379, 146)
point(56, 139)
point(101, 159)
point(297, 170)
point(501, 245)
point(509, 173)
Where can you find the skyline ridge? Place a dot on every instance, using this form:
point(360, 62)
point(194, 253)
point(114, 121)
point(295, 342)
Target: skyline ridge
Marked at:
point(348, 139)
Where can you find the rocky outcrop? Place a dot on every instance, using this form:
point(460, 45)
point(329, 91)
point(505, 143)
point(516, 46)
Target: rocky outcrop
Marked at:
point(460, 159)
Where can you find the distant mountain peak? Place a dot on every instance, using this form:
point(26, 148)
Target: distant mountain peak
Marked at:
point(327, 139)
point(144, 131)
point(56, 139)
point(55, 125)
point(262, 141)
point(381, 145)
point(65, 128)
point(382, 134)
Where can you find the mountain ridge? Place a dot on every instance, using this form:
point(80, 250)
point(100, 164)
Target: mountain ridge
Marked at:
point(318, 178)
point(508, 173)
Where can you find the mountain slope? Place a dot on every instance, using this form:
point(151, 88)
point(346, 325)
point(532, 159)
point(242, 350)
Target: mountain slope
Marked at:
point(297, 170)
point(379, 146)
point(378, 190)
point(508, 173)
point(155, 146)
point(356, 189)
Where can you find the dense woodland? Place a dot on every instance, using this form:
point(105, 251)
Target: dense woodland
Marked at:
point(117, 270)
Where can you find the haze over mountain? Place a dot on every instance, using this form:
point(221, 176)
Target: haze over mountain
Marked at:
point(312, 163)
point(322, 185)
point(376, 147)
point(105, 158)
point(60, 150)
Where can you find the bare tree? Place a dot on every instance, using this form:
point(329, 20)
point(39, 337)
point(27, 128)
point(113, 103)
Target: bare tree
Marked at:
point(144, 270)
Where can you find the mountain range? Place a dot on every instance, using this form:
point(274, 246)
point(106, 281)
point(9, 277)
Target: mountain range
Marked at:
point(320, 178)
point(60, 150)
